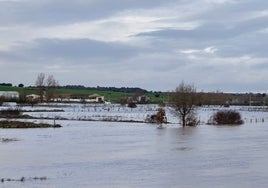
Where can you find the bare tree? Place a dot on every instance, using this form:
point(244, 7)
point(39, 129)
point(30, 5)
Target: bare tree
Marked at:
point(40, 85)
point(45, 86)
point(184, 101)
point(51, 84)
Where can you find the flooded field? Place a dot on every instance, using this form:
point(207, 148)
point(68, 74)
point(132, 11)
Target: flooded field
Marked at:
point(111, 154)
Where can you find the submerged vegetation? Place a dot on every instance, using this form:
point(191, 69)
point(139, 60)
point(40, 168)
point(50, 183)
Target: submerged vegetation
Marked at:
point(22, 179)
point(22, 125)
point(227, 117)
point(184, 101)
point(5, 140)
point(10, 112)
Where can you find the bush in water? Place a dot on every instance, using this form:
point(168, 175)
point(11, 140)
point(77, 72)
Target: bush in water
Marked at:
point(227, 117)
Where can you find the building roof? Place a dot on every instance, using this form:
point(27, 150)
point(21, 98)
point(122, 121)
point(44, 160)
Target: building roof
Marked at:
point(94, 96)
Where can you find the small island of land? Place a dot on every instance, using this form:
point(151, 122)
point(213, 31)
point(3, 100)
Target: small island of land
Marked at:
point(21, 125)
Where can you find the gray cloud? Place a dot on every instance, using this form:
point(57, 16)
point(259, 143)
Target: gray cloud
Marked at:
point(39, 12)
point(74, 50)
point(218, 45)
point(233, 38)
point(212, 31)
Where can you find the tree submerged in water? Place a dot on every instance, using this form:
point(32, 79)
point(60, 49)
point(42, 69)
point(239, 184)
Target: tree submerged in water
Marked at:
point(184, 101)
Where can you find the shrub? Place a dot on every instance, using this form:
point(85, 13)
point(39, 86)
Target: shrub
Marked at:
point(192, 120)
point(227, 117)
point(132, 105)
point(159, 117)
point(10, 112)
point(123, 101)
point(157, 95)
point(2, 100)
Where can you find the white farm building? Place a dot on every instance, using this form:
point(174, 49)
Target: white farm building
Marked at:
point(10, 95)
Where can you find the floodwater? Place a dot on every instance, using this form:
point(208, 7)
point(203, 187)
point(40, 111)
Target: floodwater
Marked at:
point(104, 154)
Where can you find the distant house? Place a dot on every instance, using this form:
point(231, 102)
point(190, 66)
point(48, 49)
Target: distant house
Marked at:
point(10, 95)
point(32, 97)
point(95, 98)
point(72, 98)
point(136, 99)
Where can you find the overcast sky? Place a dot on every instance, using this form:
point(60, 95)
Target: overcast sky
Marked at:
point(153, 44)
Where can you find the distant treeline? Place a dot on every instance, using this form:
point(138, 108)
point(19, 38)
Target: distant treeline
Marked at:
point(113, 89)
point(5, 84)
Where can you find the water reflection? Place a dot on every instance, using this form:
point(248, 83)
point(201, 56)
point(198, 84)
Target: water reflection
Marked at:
point(102, 154)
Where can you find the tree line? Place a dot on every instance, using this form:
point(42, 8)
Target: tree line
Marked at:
point(6, 84)
point(112, 89)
